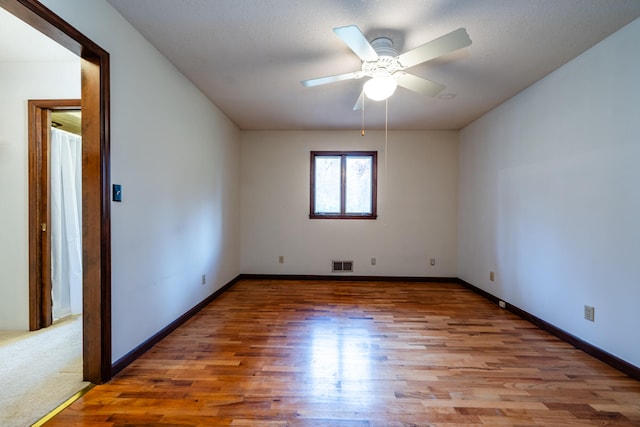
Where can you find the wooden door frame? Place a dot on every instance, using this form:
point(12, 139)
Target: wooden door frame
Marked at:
point(40, 303)
point(96, 209)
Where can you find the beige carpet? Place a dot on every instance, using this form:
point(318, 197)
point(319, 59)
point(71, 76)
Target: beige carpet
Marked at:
point(39, 370)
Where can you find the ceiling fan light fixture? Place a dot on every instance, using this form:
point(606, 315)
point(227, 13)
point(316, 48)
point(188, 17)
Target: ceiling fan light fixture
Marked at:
point(380, 87)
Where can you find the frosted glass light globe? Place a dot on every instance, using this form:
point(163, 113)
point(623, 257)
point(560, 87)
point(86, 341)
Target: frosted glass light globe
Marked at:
point(380, 87)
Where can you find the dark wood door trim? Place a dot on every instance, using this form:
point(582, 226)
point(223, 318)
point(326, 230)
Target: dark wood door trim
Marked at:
point(96, 214)
point(40, 315)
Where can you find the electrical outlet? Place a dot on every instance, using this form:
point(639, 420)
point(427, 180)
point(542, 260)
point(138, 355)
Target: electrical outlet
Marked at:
point(432, 261)
point(502, 304)
point(492, 276)
point(204, 279)
point(281, 259)
point(590, 313)
point(373, 261)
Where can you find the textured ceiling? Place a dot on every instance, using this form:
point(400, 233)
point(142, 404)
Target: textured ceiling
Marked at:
point(248, 56)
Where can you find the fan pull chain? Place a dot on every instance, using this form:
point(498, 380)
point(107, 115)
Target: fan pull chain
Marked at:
point(363, 97)
point(386, 145)
point(386, 123)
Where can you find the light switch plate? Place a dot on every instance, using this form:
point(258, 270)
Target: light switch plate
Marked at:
point(117, 192)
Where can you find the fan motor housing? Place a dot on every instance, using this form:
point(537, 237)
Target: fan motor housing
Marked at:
point(387, 63)
point(384, 47)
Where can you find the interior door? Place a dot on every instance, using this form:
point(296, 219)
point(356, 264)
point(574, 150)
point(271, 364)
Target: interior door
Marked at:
point(40, 303)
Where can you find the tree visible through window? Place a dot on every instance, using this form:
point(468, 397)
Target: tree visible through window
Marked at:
point(343, 184)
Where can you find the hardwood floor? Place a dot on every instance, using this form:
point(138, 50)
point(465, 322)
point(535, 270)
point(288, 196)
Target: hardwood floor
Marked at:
point(306, 353)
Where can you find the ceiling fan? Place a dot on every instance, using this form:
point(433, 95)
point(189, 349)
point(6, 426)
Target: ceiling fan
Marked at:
point(381, 62)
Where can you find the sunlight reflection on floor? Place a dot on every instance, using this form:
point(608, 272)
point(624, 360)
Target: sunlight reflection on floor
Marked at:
point(341, 363)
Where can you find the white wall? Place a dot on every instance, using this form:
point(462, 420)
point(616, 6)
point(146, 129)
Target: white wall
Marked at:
point(550, 197)
point(417, 205)
point(176, 156)
point(19, 82)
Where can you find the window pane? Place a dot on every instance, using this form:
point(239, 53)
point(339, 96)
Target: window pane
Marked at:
point(327, 183)
point(359, 184)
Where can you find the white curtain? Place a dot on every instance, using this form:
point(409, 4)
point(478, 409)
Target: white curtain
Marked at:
point(66, 223)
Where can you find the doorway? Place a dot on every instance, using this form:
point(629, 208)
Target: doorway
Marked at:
point(96, 228)
point(65, 181)
point(55, 207)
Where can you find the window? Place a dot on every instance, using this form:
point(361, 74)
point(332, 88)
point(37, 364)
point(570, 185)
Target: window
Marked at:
point(343, 184)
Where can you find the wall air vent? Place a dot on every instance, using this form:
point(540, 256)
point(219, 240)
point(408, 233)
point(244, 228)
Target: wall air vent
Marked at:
point(342, 266)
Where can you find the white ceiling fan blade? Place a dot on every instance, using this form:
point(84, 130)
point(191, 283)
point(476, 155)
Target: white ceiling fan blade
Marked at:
point(359, 102)
point(357, 42)
point(418, 84)
point(448, 43)
point(329, 79)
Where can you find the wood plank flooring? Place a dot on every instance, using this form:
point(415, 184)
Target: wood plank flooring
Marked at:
point(307, 353)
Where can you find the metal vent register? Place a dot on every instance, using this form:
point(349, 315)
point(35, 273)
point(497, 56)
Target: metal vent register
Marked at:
point(342, 266)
